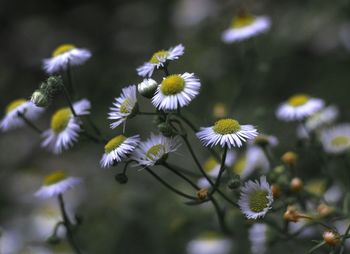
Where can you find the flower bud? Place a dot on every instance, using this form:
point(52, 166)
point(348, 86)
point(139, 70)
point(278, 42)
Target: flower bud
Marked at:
point(165, 129)
point(121, 178)
point(54, 84)
point(147, 88)
point(202, 194)
point(40, 99)
point(293, 215)
point(324, 210)
point(296, 184)
point(53, 240)
point(276, 191)
point(235, 182)
point(219, 110)
point(331, 237)
point(289, 158)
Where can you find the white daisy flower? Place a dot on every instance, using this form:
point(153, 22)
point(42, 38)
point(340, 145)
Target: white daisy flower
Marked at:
point(253, 159)
point(258, 238)
point(159, 59)
point(321, 118)
point(209, 243)
point(212, 168)
point(118, 148)
point(176, 91)
point(11, 120)
point(298, 107)
point(65, 127)
point(64, 55)
point(147, 88)
point(57, 183)
point(227, 132)
point(155, 150)
point(245, 26)
point(336, 140)
point(308, 231)
point(256, 198)
point(124, 107)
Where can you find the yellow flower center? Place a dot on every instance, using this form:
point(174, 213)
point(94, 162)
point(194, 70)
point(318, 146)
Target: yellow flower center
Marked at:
point(226, 126)
point(158, 55)
point(210, 164)
point(124, 107)
point(60, 119)
point(258, 200)
point(154, 151)
point(55, 177)
point(242, 21)
point(317, 187)
point(240, 165)
point(209, 235)
point(340, 141)
point(298, 100)
point(14, 104)
point(172, 84)
point(62, 49)
point(114, 143)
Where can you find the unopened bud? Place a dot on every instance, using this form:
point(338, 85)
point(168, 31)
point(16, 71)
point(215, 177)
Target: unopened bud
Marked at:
point(276, 191)
point(219, 110)
point(324, 210)
point(147, 88)
point(235, 182)
point(165, 129)
point(202, 194)
point(296, 184)
point(289, 158)
point(331, 237)
point(293, 215)
point(121, 178)
point(40, 99)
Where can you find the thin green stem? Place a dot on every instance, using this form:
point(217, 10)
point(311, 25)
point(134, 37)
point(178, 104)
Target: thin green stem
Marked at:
point(69, 79)
point(222, 169)
point(316, 247)
point(345, 235)
point(181, 175)
point(221, 216)
point(69, 101)
point(162, 181)
point(29, 123)
point(68, 225)
point(150, 113)
point(185, 171)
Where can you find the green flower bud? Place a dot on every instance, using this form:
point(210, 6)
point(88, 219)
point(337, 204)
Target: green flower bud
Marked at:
point(40, 99)
point(53, 240)
point(235, 182)
point(147, 88)
point(121, 178)
point(165, 129)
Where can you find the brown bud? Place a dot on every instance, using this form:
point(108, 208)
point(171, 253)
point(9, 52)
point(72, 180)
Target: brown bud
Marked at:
point(289, 158)
point(293, 215)
point(202, 194)
point(331, 237)
point(324, 210)
point(296, 184)
point(219, 110)
point(276, 191)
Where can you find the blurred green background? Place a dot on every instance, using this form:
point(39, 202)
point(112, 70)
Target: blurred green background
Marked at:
point(306, 50)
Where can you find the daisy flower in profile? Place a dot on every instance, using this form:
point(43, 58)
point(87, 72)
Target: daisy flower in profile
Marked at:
point(256, 198)
point(155, 150)
point(176, 91)
point(159, 59)
point(11, 120)
point(65, 127)
point(118, 148)
point(209, 243)
point(245, 26)
point(124, 107)
point(298, 107)
point(227, 132)
point(65, 55)
point(56, 184)
point(336, 140)
point(147, 88)
point(322, 118)
point(258, 238)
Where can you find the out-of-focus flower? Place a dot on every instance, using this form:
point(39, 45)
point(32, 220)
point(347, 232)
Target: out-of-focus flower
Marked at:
point(336, 140)
point(289, 158)
point(258, 238)
point(331, 237)
point(253, 159)
point(220, 110)
point(65, 55)
point(227, 132)
point(209, 243)
point(176, 91)
point(154, 150)
point(296, 184)
point(322, 118)
point(159, 59)
point(263, 140)
point(147, 88)
point(333, 194)
point(65, 127)
point(118, 148)
point(256, 198)
point(124, 106)
point(298, 107)
point(57, 183)
point(11, 120)
point(245, 26)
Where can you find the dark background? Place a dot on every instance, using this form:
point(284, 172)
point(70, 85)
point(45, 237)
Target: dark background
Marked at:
point(307, 50)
